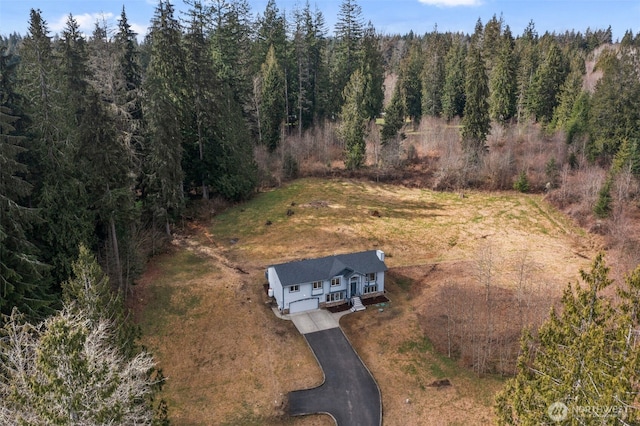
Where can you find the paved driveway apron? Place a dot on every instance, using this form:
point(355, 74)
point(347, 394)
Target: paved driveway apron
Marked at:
point(349, 392)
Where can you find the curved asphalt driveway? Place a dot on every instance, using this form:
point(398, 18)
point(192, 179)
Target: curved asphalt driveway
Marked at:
point(349, 392)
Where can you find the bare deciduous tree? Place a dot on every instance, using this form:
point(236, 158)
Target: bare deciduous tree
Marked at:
point(66, 371)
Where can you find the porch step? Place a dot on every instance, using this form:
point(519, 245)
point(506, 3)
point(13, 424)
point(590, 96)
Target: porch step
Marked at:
point(356, 304)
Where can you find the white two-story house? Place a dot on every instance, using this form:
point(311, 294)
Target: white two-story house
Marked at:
point(315, 283)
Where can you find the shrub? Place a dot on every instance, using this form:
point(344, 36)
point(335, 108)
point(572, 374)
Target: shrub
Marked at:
point(522, 182)
point(290, 166)
point(552, 172)
point(602, 208)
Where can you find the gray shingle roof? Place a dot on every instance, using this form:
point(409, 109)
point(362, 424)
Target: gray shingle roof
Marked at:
point(325, 268)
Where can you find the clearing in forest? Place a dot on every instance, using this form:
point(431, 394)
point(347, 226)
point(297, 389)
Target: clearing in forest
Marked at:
point(228, 360)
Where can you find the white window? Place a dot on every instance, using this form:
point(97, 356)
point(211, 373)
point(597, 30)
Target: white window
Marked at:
point(294, 288)
point(317, 285)
point(370, 288)
point(335, 281)
point(371, 276)
point(334, 297)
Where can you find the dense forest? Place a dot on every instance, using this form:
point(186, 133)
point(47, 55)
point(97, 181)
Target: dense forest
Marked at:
point(105, 140)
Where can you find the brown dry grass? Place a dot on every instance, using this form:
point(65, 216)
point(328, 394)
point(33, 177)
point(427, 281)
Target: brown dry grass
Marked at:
point(230, 361)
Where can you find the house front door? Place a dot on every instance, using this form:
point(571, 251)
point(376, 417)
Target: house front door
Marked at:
point(354, 287)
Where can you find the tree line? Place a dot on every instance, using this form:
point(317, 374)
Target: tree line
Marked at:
point(107, 138)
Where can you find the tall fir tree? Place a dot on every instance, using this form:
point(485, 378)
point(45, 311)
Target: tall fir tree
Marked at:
point(23, 278)
point(453, 93)
point(55, 85)
point(546, 84)
point(373, 72)
point(232, 34)
point(393, 117)
point(353, 121)
point(527, 53)
point(569, 93)
point(272, 102)
point(310, 48)
point(492, 42)
point(164, 90)
point(271, 33)
point(216, 136)
point(410, 81)
point(200, 74)
point(476, 123)
point(89, 292)
point(349, 30)
point(615, 104)
point(433, 74)
point(502, 83)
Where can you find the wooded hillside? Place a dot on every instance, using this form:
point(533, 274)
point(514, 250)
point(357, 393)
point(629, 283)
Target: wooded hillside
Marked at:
point(105, 139)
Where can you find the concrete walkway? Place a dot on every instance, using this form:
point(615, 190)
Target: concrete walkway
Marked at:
point(316, 320)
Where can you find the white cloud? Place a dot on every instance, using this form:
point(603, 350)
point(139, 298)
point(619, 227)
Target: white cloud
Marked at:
point(86, 22)
point(451, 3)
point(139, 29)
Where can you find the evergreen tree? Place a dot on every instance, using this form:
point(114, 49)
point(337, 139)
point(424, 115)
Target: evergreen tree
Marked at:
point(410, 82)
point(22, 282)
point(215, 137)
point(233, 146)
point(476, 123)
point(89, 292)
point(163, 192)
point(272, 102)
point(546, 84)
point(393, 117)
point(453, 93)
point(128, 88)
point(527, 53)
point(201, 89)
point(310, 46)
point(492, 42)
point(502, 84)
point(232, 34)
point(354, 121)
point(56, 89)
point(615, 104)
point(583, 357)
point(346, 54)
point(106, 167)
point(74, 66)
point(433, 74)
point(373, 72)
point(602, 207)
point(578, 123)
point(111, 147)
point(272, 33)
point(66, 371)
point(569, 93)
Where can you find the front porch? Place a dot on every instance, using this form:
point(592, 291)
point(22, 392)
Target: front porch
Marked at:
point(367, 300)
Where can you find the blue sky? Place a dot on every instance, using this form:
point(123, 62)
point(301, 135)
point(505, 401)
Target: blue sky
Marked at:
point(389, 17)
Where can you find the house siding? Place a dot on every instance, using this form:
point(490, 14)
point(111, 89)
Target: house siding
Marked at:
point(284, 297)
point(303, 293)
point(276, 285)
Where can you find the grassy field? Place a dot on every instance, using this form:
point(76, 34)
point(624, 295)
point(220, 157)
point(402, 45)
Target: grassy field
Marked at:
point(229, 360)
